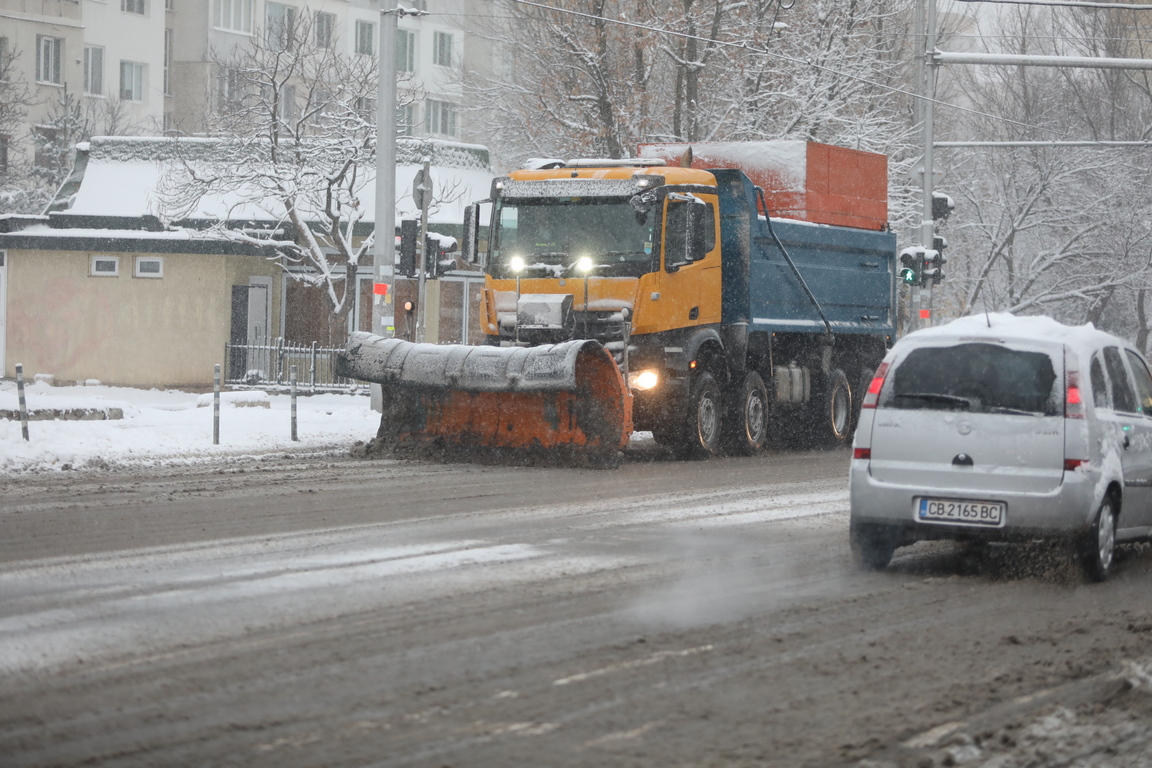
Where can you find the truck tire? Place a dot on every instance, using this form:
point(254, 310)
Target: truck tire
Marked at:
point(700, 435)
point(746, 420)
point(833, 423)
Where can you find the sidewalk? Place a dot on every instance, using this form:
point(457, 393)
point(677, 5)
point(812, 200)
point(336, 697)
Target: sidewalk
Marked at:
point(167, 427)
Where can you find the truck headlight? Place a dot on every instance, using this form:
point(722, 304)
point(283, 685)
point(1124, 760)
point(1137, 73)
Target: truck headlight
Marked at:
point(643, 379)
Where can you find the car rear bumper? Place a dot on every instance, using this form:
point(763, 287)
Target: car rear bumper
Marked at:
point(1066, 511)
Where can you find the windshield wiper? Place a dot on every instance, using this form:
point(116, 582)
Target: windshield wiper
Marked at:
point(937, 398)
point(1006, 409)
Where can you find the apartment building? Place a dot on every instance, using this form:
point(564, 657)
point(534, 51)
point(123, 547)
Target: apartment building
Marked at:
point(107, 56)
point(146, 67)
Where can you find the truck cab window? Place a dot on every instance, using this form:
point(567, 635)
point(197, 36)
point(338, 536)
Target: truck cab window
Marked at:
point(676, 248)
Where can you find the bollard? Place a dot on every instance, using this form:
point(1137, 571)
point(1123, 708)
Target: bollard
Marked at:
point(23, 402)
point(292, 379)
point(216, 407)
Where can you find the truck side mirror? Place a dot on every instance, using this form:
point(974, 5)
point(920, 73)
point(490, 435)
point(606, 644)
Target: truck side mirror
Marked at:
point(471, 233)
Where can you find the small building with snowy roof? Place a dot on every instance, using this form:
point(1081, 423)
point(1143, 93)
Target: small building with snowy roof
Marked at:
point(105, 286)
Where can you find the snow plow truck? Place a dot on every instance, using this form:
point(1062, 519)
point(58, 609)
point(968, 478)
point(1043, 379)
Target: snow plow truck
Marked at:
point(717, 295)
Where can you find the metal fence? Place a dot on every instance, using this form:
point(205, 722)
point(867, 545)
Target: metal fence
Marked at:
point(267, 365)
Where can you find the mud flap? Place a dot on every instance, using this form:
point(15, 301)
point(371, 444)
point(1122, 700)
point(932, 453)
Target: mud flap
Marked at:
point(567, 397)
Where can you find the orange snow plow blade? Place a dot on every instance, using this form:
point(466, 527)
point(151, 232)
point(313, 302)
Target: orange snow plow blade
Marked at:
point(566, 398)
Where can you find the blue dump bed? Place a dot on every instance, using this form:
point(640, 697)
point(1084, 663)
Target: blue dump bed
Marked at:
point(850, 272)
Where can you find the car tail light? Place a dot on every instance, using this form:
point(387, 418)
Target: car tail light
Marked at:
point(1070, 465)
point(1073, 403)
point(873, 394)
point(862, 453)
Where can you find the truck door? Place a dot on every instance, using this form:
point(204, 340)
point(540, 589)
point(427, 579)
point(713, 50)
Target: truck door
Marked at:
point(690, 280)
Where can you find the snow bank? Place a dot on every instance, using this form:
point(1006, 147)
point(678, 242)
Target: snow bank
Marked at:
point(165, 427)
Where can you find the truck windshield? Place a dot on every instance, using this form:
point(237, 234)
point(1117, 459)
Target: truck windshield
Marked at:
point(547, 238)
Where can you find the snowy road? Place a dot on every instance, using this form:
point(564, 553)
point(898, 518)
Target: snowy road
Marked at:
point(353, 612)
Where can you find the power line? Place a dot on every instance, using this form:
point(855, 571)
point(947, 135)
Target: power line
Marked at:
point(1067, 4)
point(791, 59)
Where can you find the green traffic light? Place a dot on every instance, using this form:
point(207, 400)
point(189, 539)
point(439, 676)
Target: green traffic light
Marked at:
point(908, 275)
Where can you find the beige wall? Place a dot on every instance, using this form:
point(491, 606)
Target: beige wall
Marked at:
point(162, 332)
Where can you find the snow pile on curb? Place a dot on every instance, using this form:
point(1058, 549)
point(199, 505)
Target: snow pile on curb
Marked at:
point(167, 428)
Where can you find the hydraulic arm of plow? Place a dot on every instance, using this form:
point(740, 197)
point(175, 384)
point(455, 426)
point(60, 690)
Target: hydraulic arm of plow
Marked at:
point(561, 398)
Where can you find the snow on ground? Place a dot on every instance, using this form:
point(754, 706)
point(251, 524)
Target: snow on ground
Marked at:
point(167, 427)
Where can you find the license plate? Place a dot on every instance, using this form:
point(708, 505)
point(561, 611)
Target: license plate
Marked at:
point(957, 512)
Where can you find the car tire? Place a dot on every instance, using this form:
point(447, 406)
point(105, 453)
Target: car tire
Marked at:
point(746, 421)
point(872, 547)
point(1098, 548)
point(700, 437)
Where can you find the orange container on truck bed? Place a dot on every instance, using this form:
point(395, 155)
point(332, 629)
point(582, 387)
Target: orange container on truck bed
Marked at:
point(801, 180)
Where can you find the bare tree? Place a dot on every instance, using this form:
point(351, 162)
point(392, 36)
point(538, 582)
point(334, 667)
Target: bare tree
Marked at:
point(623, 73)
point(1057, 230)
point(296, 121)
point(19, 190)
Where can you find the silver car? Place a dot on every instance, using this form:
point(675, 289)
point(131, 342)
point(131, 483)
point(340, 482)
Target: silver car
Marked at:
point(996, 427)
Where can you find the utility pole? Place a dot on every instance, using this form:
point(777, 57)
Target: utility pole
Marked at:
point(384, 245)
point(927, 228)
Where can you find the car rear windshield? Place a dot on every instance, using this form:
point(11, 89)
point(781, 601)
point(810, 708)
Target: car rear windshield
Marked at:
point(976, 377)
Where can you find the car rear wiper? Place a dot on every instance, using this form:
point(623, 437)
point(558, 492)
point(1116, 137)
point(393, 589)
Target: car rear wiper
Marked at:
point(936, 397)
point(1006, 409)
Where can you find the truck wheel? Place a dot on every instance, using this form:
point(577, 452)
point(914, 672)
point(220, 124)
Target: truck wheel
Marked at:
point(701, 435)
point(746, 422)
point(1098, 548)
point(834, 417)
point(871, 547)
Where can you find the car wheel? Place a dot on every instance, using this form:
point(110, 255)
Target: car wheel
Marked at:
point(872, 547)
point(1098, 550)
point(746, 423)
point(701, 435)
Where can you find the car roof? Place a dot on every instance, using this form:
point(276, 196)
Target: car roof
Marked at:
point(1005, 327)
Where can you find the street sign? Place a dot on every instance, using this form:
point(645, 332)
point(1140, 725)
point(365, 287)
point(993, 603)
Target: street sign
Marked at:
point(422, 189)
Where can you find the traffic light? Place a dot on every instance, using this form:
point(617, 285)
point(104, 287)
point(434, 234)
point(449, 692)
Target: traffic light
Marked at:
point(938, 245)
point(942, 205)
point(913, 261)
point(409, 234)
point(931, 269)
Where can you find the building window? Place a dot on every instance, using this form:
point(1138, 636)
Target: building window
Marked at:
point(325, 27)
point(104, 266)
point(279, 22)
point(442, 49)
point(93, 70)
point(167, 62)
point(441, 117)
point(4, 140)
point(235, 15)
point(169, 5)
point(405, 119)
point(405, 51)
point(49, 52)
point(365, 106)
point(132, 6)
point(149, 266)
point(230, 89)
point(286, 107)
point(132, 81)
point(365, 37)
